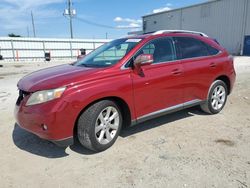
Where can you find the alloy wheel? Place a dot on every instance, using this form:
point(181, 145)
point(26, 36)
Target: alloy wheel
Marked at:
point(107, 124)
point(218, 97)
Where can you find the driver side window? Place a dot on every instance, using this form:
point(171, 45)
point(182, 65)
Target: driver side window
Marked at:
point(149, 49)
point(162, 50)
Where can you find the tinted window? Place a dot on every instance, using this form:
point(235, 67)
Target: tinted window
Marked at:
point(212, 50)
point(149, 49)
point(162, 50)
point(191, 47)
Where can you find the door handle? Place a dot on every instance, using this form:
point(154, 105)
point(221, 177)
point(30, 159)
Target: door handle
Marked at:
point(213, 65)
point(176, 71)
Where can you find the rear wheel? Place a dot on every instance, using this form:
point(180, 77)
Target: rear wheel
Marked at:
point(99, 126)
point(217, 98)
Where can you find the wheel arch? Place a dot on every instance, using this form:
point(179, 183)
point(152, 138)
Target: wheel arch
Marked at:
point(124, 107)
point(226, 80)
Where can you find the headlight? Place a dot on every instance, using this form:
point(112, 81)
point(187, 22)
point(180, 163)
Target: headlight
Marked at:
point(44, 96)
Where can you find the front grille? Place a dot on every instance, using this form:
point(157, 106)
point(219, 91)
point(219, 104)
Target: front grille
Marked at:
point(21, 96)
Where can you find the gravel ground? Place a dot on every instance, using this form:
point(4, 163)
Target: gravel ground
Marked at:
point(184, 149)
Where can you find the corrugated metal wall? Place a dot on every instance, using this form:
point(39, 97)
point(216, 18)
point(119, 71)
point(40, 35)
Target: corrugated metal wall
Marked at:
point(247, 32)
point(167, 20)
point(34, 48)
point(221, 19)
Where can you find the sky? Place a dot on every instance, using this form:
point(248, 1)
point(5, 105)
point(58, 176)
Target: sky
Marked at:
point(94, 18)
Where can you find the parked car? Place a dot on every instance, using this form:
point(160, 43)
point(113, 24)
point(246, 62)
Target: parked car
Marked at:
point(122, 83)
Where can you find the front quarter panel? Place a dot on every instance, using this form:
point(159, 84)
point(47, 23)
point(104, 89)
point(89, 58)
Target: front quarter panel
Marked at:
point(117, 84)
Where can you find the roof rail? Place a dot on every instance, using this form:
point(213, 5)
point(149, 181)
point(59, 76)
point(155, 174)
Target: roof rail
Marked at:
point(180, 31)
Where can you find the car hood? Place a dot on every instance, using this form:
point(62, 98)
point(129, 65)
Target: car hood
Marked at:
point(55, 77)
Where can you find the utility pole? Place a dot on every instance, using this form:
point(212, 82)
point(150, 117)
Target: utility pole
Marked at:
point(70, 12)
point(33, 24)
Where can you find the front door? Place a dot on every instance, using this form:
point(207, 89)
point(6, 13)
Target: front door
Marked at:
point(161, 85)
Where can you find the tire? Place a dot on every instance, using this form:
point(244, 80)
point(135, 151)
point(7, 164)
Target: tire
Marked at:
point(217, 98)
point(98, 127)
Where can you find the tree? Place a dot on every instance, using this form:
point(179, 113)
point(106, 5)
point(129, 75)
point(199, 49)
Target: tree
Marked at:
point(13, 35)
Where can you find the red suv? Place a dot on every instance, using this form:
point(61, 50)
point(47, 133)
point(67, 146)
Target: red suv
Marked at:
point(124, 82)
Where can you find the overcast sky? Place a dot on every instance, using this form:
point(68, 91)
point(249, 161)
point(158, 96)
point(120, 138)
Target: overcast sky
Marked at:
point(116, 17)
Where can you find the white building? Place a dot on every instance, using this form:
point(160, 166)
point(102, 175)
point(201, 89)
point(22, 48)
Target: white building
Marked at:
point(228, 21)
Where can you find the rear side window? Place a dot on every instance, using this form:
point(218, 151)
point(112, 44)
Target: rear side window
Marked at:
point(212, 50)
point(188, 47)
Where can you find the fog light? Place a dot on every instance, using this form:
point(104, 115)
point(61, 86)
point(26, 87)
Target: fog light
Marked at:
point(45, 127)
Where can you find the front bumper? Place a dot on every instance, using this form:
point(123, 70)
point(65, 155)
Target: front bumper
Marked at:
point(50, 121)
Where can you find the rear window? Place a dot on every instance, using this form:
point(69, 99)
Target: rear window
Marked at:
point(188, 47)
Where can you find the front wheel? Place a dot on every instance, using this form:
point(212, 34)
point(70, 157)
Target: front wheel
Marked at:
point(99, 126)
point(217, 98)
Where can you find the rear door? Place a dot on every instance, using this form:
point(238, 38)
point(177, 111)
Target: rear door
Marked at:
point(161, 85)
point(200, 66)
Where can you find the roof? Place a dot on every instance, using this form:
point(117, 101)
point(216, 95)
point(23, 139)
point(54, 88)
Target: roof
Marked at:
point(173, 10)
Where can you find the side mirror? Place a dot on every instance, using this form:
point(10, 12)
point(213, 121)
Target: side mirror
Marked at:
point(143, 59)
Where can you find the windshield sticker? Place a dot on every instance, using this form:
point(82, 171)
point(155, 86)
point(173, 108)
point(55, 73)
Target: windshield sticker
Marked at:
point(133, 40)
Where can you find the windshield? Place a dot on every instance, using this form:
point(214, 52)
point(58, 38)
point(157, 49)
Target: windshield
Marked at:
point(109, 53)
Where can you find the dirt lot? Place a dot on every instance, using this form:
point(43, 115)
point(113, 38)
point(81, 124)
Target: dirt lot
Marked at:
point(184, 149)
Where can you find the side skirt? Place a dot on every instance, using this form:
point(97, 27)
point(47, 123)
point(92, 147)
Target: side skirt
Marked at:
point(166, 111)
